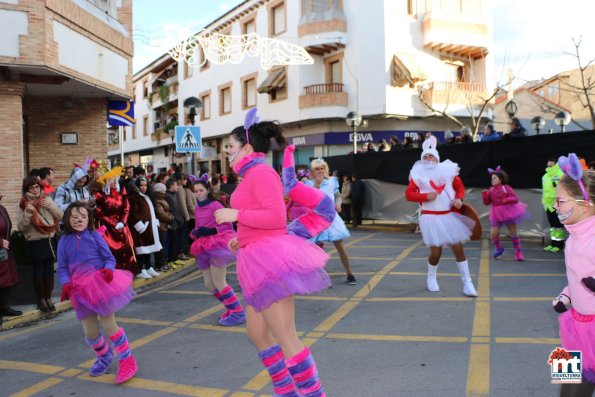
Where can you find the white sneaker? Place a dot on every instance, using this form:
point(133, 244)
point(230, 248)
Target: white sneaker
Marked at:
point(433, 285)
point(144, 274)
point(469, 289)
point(153, 272)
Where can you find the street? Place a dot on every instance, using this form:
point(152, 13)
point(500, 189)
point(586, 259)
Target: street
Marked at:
point(385, 336)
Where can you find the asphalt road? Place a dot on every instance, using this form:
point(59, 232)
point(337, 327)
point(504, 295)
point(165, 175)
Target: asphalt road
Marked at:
point(386, 336)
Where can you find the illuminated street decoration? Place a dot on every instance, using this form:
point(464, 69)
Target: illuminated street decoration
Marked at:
point(220, 48)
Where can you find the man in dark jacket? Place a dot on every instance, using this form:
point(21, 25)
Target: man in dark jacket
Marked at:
point(517, 130)
point(358, 193)
point(174, 231)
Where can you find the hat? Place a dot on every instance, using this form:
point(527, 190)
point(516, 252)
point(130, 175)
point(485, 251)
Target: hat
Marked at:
point(448, 134)
point(114, 173)
point(159, 188)
point(429, 147)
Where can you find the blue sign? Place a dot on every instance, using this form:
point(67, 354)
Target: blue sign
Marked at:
point(120, 113)
point(188, 139)
point(344, 138)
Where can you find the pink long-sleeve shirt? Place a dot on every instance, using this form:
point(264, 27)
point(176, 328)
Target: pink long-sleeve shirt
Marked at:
point(500, 195)
point(580, 263)
point(205, 217)
point(259, 199)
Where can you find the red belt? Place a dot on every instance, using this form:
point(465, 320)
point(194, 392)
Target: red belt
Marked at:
point(428, 212)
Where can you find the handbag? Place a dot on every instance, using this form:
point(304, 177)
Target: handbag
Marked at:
point(3, 254)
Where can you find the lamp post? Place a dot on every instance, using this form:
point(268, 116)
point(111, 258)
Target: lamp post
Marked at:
point(562, 119)
point(191, 104)
point(354, 119)
point(537, 123)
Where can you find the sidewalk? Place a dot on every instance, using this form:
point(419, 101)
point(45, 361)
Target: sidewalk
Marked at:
point(32, 314)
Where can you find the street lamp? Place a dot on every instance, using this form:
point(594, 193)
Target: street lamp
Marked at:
point(537, 123)
point(354, 119)
point(511, 108)
point(562, 119)
point(190, 105)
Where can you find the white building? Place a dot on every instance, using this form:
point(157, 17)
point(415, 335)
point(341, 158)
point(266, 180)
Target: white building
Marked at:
point(369, 56)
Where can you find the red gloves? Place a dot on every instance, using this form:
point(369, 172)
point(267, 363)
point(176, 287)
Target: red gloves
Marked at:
point(65, 292)
point(107, 274)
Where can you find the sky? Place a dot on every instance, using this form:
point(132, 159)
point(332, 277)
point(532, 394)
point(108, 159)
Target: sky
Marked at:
point(530, 36)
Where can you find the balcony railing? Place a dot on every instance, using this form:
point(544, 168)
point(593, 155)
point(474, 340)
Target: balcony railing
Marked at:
point(454, 92)
point(323, 88)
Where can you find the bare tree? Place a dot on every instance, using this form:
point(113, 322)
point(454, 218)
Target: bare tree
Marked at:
point(586, 88)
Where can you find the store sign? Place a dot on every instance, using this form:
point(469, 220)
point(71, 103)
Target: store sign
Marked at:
point(345, 138)
point(307, 140)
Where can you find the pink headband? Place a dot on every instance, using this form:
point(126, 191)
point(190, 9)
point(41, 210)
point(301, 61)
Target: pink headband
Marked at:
point(496, 171)
point(574, 169)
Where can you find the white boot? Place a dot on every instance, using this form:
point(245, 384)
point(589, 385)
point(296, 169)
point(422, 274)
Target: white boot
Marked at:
point(432, 282)
point(153, 272)
point(468, 288)
point(144, 274)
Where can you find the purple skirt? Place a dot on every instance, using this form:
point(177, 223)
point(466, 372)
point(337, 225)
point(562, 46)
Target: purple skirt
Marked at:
point(508, 214)
point(577, 332)
point(274, 268)
point(213, 250)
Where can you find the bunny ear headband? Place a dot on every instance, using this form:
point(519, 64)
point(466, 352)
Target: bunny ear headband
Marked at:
point(303, 173)
point(251, 119)
point(429, 147)
point(204, 177)
point(573, 168)
point(496, 171)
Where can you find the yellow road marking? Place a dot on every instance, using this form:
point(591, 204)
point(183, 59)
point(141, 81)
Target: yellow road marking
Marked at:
point(524, 299)
point(419, 299)
point(478, 373)
point(529, 275)
point(129, 320)
point(538, 341)
point(399, 338)
point(425, 274)
point(319, 298)
point(35, 327)
point(30, 367)
point(70, 373)
point(364, 258)
point(204, 313)
point(182, 280)
point(38, 387)
point(258, 382)
point(219, 328)
point(242, 394)
point(160, 386)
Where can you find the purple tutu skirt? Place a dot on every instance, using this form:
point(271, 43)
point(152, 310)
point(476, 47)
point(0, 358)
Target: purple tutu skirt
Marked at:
point(577, 332)
point(508, 214)
point(92, 295)
point(276, 267)
point(213, 250)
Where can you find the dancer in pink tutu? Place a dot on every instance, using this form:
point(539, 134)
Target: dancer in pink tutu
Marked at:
point(86, 273)
point(273, 265)
point(210, 248)
point(575, 205)
point(506, 210)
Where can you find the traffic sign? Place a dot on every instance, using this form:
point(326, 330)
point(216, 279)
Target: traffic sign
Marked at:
point(188, 139)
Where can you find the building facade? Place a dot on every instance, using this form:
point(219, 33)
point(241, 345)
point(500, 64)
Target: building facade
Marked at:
point(373, 57)
point(59, 63)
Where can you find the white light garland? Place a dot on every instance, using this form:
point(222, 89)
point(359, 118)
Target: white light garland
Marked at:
point(222, 48)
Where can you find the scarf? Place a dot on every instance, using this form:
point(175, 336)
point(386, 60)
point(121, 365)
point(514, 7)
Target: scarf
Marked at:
point(248, 162)
point(36, 221)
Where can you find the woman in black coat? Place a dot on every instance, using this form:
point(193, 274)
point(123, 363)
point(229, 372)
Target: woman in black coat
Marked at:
point(8, 267)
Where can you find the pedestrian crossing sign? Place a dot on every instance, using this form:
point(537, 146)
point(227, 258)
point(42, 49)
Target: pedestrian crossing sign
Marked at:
point(188, 139)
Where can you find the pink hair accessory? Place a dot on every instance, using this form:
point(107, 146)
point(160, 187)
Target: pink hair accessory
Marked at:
point(574, 169)
point(251, 119)
point(204, 178)
point(496, 171)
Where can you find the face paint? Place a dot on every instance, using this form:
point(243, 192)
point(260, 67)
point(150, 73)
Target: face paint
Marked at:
point(79, 220)
point(565, 215)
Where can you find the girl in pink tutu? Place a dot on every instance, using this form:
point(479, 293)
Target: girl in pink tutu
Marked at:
point(272, 265)
point(86, 273)
point(506, 210)
point(210, 248)
point(575, 205)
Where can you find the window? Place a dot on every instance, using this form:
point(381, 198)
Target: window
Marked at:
point(275, 84)
point(333, 66)
point(145, 125)
point(133, 132)
point(203, 61)
point(249, 26)
point(145, 89)
point(188, 70)
point(225, 99)
point(205, 110)
point(277, 18)
point(249, 90)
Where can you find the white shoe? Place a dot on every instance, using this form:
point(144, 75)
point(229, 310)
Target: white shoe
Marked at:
point(469, 289)
point(433, 284)
point(144, 274)
point(153, 272)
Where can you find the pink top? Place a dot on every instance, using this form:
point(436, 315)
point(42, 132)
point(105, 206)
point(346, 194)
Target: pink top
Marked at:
point(500, 195)
point(580, 263)
point(204, 216)
point(259, 199)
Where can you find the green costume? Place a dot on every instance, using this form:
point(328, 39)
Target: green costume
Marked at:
point(549, 181)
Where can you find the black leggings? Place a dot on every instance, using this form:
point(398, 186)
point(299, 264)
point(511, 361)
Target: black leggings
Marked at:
point(43, 268)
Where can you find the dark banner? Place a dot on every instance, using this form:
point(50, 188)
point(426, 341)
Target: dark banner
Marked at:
point(524, 159)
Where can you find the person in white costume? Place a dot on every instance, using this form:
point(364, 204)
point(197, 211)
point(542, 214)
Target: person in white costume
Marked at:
point(437, 187)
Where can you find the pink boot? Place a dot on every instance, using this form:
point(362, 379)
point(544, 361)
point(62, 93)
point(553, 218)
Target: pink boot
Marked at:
point(518, 256)
point(127, 367)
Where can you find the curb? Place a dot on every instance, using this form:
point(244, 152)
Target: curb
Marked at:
point(34, 315)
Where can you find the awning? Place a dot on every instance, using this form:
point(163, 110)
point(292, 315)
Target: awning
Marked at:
point(274, 81)
point(405, 70)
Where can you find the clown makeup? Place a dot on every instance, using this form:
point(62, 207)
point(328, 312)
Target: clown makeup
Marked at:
point(571, 210)
point(234, 148)
point(79, 219)
point(201, 191)
point(113, 183)
point(496, 180)
point(143, 186)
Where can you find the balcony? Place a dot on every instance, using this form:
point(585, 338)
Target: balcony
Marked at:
point(323, 27)
point(457, 35)
point(330, 94)
point(454, 92)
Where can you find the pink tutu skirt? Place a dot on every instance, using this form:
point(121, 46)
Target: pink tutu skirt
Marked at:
point(276, 267)
point(213, 250)
point(577, 332)
point(508, 214)
point(445, 230)
point(92, 295)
